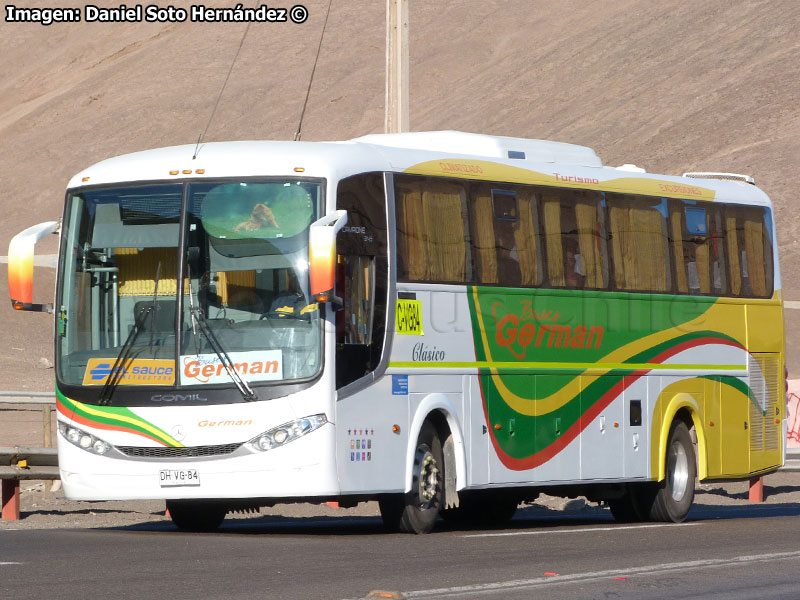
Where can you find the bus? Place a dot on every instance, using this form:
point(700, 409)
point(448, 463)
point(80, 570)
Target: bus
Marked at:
point(446, 323)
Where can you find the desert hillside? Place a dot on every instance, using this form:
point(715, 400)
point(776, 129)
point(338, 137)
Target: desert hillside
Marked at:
point(671, 86)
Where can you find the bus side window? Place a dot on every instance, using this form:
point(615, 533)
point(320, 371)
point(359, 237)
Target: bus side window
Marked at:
point(749, 251)
point(432, 238)
point(361, 277)
point(639, 243)
point(551, 212)
point(359, 299)
point(698, 242)
point(575, 239)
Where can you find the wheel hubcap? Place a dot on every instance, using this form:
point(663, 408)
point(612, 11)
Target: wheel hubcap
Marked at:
point(678, 471)
point(427, 479)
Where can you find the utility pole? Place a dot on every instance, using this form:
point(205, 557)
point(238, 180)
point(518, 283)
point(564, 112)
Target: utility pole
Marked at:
point(396, 66)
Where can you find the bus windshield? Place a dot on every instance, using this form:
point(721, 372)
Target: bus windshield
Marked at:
point(244, 260)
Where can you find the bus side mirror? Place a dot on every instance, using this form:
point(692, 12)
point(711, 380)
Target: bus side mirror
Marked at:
point(322, 256)
point(20, 266)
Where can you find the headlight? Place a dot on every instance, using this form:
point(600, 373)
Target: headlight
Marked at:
point(83, 440)
point(283, 434)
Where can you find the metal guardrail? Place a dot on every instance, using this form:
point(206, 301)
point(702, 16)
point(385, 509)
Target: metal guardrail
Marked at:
point(21, 397)
point(23, 462)
point(18, 463)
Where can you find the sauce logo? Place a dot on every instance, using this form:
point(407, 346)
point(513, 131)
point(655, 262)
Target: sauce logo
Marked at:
point(408, 317)
point(137, 371)
point(198, 369)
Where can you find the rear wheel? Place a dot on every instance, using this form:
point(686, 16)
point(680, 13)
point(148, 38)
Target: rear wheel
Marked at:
point(196, 516)
point(671, 499)
point(416, 511)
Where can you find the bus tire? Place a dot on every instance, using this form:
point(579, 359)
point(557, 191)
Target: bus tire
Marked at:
point(671, 499)
point(196, 516)
point(416, 511)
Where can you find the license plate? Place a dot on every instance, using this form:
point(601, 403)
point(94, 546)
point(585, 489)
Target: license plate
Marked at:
point(173, 477)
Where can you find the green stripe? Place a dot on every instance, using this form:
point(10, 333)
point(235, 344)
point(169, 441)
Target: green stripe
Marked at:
point(118, 416)
point(740, 386)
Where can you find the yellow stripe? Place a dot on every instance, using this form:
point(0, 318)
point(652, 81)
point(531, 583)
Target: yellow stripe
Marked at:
point(465, 168)
point(138, 422)
point(713, 319)
point(536, 366)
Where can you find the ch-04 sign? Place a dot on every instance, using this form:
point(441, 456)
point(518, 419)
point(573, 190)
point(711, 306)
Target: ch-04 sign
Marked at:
point(408, 317)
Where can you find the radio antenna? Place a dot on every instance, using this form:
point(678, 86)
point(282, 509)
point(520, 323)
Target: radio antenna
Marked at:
point(313, 69)
point(225, 83)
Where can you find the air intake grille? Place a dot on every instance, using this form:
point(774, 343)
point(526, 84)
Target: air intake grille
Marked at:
point(188, 452)
point(765, 384)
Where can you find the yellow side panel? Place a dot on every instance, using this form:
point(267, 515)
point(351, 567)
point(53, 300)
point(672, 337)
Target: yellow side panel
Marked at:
point(711, 425)
point(764, 328)
point(734, 423)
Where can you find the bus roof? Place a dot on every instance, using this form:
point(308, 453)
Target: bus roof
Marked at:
point(439, 153)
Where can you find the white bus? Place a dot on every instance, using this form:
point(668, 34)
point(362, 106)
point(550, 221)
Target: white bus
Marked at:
point(448, 323)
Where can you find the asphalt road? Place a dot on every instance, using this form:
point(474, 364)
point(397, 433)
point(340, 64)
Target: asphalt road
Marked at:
point(721, 552)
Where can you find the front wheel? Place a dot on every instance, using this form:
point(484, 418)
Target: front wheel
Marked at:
point(416, 511)
point(671, 499)
point(196, 516)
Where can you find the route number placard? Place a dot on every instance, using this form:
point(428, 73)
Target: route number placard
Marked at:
point(408, 317)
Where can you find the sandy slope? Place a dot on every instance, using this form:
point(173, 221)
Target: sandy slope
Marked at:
point(671, 86)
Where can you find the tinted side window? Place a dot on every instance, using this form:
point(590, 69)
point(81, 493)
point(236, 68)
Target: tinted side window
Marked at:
point(362, 277)
point(432, 238)
point(697, 238)
point(639, 243)
point(749, 251)
point(506, 243)
point(575, 239)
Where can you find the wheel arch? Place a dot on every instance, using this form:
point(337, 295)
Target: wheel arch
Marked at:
point(440, 411)
point(686, 408)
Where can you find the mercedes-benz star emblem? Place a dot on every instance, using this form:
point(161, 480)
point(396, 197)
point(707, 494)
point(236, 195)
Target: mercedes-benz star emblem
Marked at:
point(178, 433)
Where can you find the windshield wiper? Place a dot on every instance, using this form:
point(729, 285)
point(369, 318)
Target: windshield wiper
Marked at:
point(199, 321)
point(121, 363)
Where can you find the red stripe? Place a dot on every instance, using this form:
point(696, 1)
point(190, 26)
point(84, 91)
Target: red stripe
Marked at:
point(541, 457)
point(72, 415)
point(107, 427)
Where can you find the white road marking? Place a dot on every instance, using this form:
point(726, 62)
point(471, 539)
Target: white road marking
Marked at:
point(522, 584)
point(791, 304)
point(582, 530)
point(9, 563)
